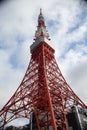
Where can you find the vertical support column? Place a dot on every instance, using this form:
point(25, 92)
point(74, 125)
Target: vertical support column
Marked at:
point(48, 93)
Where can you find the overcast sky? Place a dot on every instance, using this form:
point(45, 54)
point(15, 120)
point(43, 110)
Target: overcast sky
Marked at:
point(66, 22)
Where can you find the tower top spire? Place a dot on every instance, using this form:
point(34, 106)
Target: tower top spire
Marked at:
point(41, 34)
point(40, 10)
point(41, 21)
point(41, 28)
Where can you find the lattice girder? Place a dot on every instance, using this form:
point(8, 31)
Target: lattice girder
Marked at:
point(43, 89)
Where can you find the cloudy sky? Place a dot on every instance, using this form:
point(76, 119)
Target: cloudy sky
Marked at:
point(66, 22)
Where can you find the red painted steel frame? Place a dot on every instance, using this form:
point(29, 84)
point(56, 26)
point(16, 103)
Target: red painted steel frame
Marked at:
point(43, 90)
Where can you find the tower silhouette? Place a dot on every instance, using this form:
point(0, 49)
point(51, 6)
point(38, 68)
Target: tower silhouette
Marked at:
point(43, 89)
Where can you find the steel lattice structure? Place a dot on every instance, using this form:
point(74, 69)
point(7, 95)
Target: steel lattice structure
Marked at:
point(43, 89)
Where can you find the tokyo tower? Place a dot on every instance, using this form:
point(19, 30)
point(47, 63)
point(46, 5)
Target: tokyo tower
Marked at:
point(43, 90)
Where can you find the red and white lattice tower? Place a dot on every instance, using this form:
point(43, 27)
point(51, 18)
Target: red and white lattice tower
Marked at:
point(43, 89)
